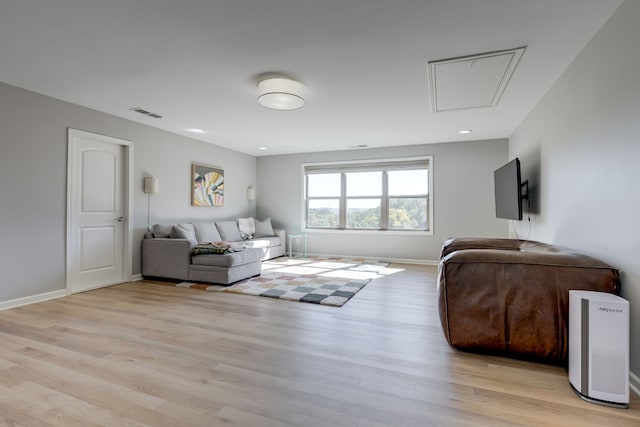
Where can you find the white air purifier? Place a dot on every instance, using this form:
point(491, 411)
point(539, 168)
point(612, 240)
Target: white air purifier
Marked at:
point(599, 347)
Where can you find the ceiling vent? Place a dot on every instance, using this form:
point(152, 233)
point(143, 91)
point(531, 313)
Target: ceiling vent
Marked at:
point(471, 81)
point(146, 113)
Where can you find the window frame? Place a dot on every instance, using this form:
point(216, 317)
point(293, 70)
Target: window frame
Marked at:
point(385, 164)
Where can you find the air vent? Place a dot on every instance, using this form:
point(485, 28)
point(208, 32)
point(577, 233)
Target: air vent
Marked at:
point(146, 113)
point(474, 81)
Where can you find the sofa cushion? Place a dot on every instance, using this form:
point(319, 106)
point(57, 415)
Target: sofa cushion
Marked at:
point(229, 231)
point(263, 228)
point(247, 227)
point(206, 232)
point(229, 259)
point(262, 242)
point(161, 231)
point(184, 231)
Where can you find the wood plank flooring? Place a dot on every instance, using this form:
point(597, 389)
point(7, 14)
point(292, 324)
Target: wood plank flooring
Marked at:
point(151, 354)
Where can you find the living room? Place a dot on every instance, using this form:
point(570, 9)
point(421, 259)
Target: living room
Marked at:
point(577, 145)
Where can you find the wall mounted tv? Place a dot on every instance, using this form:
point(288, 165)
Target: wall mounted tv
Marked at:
point(509, 191)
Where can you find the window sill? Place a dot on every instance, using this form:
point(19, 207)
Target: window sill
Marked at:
point(369, 232)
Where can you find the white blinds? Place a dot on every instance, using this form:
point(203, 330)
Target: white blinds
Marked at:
point(368, 166)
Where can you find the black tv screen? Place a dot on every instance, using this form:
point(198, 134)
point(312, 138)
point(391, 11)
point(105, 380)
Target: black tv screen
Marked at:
point(508, 191)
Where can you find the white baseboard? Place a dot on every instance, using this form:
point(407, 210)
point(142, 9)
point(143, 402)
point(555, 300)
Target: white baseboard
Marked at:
point(414, 261)
point(32, 299)
point(634, 382)
point(410, 261)
point(19, 302)
point(391, 260)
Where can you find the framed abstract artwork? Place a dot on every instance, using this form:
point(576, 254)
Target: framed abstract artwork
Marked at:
point(207, 185)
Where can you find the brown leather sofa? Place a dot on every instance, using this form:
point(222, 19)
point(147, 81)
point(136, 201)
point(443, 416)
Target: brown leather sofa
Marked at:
point(511, 297)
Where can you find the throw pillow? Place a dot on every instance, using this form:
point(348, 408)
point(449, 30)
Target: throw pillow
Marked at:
point(247, 227)
point(161, 231)
point(229, 231)
point(184, 231)
point(206, 232)
point(264, 228)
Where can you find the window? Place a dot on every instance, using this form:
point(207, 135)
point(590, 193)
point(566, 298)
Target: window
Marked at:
point(325, 204)
point(369, 195)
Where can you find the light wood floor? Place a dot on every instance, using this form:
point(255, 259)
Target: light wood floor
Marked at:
point(151, 354)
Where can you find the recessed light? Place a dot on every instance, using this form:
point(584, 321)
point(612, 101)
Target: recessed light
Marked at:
point(262, 148)
point(465, 131)
point(195, 130)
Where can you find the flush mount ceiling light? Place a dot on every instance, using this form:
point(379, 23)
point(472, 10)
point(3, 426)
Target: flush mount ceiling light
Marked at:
point(281, 94)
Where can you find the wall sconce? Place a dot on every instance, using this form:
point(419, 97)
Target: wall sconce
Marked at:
point(251, 193)
point(150, 186)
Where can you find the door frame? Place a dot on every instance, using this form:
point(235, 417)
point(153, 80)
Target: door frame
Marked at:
point(127, 200)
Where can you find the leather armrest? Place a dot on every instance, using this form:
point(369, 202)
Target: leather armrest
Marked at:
point(458, 244)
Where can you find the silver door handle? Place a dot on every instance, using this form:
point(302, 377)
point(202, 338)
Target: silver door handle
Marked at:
point(120, 219)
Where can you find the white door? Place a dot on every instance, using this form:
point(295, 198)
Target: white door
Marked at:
point(96, 211)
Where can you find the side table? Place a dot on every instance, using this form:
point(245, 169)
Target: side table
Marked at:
point(293, 237)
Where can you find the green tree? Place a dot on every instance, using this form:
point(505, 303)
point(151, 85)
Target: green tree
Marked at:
point(323, 217)
point(364, 218)
point(408, 213)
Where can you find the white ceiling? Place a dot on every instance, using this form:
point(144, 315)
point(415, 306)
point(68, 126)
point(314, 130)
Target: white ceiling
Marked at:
point(364, 62)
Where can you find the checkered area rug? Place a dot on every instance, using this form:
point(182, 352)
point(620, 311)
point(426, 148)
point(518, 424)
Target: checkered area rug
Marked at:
point(327, 281)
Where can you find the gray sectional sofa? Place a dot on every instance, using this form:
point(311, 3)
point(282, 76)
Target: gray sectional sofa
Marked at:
point(168, 251)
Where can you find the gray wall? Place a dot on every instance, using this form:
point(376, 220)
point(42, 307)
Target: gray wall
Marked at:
point(580, 149)
point(463, 198)
point(33, 168)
